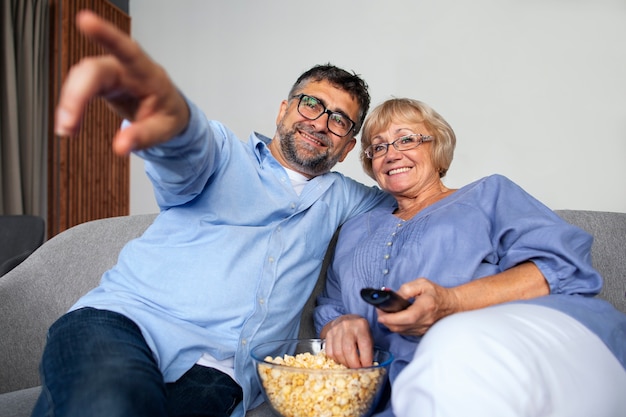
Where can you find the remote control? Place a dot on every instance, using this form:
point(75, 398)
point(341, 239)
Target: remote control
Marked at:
point(385, 299)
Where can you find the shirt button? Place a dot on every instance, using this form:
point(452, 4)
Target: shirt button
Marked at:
point(293, 205)
point(387, 256)
point(385, 271)
point(389, 243)
point(244, 342)
point(271, 259)
point(261, 301)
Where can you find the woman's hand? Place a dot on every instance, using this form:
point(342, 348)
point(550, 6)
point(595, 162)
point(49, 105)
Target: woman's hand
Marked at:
point(132, 84)
point(431, 303)
point(349, 341)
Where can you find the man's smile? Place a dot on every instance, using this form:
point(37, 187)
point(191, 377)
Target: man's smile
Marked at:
point(313, 138)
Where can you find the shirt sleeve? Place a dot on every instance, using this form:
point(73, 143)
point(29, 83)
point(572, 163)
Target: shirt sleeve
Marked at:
point(180, 168)
point(526, 230)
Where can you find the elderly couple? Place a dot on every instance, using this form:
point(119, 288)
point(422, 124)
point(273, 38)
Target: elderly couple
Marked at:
point(503, 320)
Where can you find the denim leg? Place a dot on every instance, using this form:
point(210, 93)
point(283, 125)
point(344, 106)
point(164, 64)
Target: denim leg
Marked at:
point(96, 363)
point(203, 392)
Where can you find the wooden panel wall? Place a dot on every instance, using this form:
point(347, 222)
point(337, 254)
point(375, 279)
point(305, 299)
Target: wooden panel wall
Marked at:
point(86, 181)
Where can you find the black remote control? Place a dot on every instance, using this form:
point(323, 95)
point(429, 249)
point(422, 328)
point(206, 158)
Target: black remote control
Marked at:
point(385, 299)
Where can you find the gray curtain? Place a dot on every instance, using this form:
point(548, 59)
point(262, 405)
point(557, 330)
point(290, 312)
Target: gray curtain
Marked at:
point(23, 106)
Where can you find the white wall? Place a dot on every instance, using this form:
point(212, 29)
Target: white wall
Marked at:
point(535, 89)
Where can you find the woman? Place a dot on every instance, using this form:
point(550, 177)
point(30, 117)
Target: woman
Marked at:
point(501, 288)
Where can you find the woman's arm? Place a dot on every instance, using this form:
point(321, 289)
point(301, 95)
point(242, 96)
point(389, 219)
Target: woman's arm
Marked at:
point(433, 302)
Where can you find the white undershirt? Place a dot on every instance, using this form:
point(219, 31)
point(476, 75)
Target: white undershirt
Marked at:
point(298, 181)
point(227, 365)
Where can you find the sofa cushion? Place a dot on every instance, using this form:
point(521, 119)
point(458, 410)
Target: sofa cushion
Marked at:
point(19, 403)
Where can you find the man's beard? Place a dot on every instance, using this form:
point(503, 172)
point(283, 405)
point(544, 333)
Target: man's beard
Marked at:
point(306, 159)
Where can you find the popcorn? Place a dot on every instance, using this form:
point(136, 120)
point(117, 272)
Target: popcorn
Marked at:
point(306, 393)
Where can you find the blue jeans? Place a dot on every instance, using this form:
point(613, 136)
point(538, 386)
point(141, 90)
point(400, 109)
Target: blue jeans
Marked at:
point(96, 363)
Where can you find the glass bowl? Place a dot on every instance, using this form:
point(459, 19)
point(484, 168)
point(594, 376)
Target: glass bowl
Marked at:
point(295, 391)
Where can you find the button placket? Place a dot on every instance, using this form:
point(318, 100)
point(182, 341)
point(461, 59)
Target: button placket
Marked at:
point(389, 245)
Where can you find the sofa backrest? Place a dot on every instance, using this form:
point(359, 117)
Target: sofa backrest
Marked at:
point(608, 253)
point(44, 286)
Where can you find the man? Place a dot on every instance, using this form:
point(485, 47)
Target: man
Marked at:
point(230, 260)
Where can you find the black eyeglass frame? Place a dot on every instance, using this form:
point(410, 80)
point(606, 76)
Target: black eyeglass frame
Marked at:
point(325, 111)
point(423, 138)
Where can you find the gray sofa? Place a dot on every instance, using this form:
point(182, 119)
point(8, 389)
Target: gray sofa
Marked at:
point(38, 291)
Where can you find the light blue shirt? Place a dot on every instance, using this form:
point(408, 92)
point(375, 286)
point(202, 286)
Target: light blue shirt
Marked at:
point(233, 255)
point(482, 229)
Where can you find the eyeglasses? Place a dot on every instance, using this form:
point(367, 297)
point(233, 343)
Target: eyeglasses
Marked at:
point(401, 144)
point(312, 108)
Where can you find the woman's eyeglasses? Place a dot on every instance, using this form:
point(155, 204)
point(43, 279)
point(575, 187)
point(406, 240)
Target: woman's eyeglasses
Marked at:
point(401, 144)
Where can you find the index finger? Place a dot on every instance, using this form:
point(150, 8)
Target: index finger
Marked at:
point(107, 35)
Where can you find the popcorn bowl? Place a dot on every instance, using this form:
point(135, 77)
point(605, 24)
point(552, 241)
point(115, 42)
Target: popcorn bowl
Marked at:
point(298, 380)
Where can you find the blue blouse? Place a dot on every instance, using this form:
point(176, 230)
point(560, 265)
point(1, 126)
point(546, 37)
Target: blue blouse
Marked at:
point(483, 228)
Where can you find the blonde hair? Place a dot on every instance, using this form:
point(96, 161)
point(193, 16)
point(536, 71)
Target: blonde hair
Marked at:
point(413, 112)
